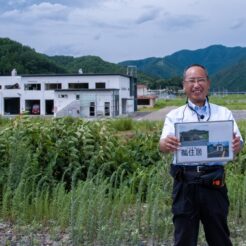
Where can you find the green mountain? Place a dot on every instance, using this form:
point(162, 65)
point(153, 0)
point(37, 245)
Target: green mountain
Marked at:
point(232, 78)
point(226, 65)
point(27, 61)
point(158, 67)
point(88, 64)
point(24, 59)
point(215, 58)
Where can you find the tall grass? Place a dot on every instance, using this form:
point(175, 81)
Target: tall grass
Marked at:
point(104, 211)
point(105, 188)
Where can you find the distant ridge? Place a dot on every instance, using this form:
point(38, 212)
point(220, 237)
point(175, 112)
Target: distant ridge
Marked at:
point(215, 58)
point(226, 65)
point(27, 61)
point(24, 59)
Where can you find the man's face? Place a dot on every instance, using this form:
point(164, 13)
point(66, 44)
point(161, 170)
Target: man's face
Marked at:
point(196, 85)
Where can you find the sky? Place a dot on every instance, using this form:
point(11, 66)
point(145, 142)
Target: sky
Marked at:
point(119, 30)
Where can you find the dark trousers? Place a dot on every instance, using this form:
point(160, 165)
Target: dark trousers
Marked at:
point(193, 203)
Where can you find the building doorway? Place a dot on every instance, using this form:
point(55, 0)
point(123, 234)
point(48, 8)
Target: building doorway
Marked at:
point(92, 108)
point(12, 106)
point(33, 107)
point(49, 107)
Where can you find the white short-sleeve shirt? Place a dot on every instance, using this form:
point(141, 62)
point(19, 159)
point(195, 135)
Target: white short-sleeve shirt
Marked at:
point(212, 112)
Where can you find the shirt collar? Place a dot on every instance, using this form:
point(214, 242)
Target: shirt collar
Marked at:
point(202, 109)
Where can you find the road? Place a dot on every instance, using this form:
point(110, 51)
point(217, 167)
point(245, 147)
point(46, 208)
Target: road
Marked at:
point(161, 114)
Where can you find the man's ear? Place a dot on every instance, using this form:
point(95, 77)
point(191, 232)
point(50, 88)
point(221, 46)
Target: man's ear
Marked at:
point(183, 87)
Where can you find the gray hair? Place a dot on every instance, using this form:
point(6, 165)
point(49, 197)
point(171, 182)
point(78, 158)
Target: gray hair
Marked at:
point(195, 65)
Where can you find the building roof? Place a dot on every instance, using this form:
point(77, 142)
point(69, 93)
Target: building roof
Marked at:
point(147, 97)
point(75, 74)
point(141, 86)
point(98, 89)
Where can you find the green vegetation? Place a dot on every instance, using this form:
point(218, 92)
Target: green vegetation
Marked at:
point(104, 181)
point(232, 78)
point(28, 61)
point(173, 84)
point(233, 102)
point(226, 66)
point(24, 59)
point(162, 103)
point(89, 64)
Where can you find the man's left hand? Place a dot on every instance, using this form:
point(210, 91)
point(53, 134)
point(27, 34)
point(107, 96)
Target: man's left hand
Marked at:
point(236, 144)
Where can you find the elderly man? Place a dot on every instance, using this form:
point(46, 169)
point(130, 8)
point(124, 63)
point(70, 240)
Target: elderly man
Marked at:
point(194, 201)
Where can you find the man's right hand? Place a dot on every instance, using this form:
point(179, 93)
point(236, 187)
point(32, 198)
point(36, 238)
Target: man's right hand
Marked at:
point(169, 144)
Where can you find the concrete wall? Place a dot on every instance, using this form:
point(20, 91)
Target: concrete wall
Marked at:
point(119, 82)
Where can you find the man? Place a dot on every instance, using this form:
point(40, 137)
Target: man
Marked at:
point(195, 198)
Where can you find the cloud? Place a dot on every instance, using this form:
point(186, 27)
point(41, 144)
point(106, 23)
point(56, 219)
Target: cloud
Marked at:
point(22, 4)
point(34, 12)
point(148, 16)
point(97, 36)
point(238, 24)
point(181, 22)
point(72, 49)
point(15, 2)
point(122, 29)
point(46, 9)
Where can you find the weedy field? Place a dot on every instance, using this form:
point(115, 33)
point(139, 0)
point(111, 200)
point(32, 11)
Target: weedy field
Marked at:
point(99, 182)
point(233, 102)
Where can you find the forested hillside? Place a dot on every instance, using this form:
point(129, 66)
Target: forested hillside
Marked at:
point(226, 65)
point(24, 59)
point(232, 78)
point(27, 61)
point(89, 64)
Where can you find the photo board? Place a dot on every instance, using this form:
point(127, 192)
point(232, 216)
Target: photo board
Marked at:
point(209, 141)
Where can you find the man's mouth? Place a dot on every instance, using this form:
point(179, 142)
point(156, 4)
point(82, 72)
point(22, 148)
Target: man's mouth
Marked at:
point(197, 92)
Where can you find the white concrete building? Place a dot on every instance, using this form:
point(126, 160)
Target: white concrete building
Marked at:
point(79, 95)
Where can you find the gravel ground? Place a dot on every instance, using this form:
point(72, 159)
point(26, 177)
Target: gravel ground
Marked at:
point(29, 236)
point(26, 236)
point(11, 235)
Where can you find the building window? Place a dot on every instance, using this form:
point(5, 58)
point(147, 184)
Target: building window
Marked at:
point(14, 86)
point(62, 96)
point(32, 87)
point(143, 101)
point(56, 86)
point(133, 86)
point(107, 108)
point(78, 85)
point(0, 87)
point(77, 97)
point(92, 108)
point(100, 85)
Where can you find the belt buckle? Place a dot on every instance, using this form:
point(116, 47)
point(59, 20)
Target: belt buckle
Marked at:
point(199, 169)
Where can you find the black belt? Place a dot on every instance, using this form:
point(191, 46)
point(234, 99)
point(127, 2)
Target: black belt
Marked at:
point(197, 168)
point(199, 174)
